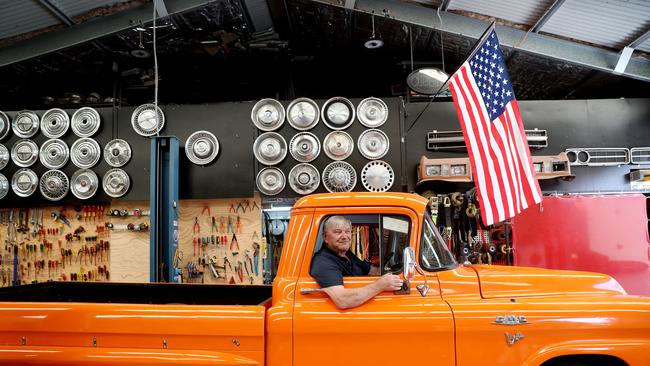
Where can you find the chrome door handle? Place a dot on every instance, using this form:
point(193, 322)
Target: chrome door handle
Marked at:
point(307, 291)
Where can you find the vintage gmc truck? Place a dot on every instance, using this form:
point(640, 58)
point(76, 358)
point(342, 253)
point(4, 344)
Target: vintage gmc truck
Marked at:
point(447, 314)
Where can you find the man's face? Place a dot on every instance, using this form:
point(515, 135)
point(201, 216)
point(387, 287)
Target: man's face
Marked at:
point(338, 237)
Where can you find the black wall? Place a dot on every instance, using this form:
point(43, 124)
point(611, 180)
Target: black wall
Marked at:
point(580, 123)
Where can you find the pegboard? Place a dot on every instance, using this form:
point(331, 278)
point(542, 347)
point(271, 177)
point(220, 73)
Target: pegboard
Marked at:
point(210, 237)
point(54, 244)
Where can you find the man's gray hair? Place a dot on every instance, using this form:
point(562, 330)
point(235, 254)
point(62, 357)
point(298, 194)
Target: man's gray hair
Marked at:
point(334, 221)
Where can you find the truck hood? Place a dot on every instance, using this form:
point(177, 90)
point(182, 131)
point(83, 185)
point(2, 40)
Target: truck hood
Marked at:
point(505, 281)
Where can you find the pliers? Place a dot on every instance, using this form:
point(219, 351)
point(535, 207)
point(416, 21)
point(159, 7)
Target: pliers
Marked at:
point(214, 225)
point(234, 242)
point(230, 227)
point(206, 208)
point(197, 226)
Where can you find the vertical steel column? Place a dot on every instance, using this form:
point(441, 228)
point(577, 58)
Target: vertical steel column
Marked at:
point(163, 205)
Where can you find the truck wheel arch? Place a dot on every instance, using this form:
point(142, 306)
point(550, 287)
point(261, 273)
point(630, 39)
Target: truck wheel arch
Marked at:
point(585, 360)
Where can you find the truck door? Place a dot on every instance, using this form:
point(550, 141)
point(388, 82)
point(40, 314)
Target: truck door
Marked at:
point(406, 329)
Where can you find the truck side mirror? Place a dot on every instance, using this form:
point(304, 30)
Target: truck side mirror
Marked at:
point(409, 263)
point(410, 266)
point(408, 270)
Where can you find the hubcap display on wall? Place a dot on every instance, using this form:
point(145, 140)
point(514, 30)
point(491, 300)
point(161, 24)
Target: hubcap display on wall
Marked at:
point(144, 122)
point(116, 182)
point(373, 144)
point(54, 154)
point(372, 112)
point(304, 178)
point(85, 122)
point(25, 124)
point(270, 181)
point(84, 183)
point(4, 156)
point(377, 176)
point(85, 153)
point(303, 114)
point(338, 113)
point(338, 145)
point(202, 147)
point(55, 123)
point(24, 182)
point(54, 185)
point(24, 153)
point(5, 125)
point(270, 148)
point(268, 114)
point(304, 147)
point(339, 176)
point(4, 186)
point(117, 153)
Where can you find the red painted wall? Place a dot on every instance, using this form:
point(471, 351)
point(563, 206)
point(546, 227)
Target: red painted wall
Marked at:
point(597, 233)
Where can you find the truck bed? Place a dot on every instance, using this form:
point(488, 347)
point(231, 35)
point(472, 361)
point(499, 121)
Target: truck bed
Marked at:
point(63, 323)
point(137, 293)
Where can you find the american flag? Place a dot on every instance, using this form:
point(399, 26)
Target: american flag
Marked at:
point(494, 133)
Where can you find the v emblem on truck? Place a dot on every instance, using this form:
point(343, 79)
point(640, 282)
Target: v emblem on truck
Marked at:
point(515, 337)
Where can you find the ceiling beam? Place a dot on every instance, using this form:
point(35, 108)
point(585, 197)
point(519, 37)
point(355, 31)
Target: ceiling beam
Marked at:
point(642, 38)
point(89, 31)
point(63, 16)
point(535, 44)
point(547, 16)
point(58, 12)
point(445, 5)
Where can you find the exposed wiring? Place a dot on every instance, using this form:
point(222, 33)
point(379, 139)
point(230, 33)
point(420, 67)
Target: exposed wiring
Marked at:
point(433, 97)
point(442, 43)
point(411, 45)
point(155, 71)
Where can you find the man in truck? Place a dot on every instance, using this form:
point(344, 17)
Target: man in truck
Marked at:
point(334, 261)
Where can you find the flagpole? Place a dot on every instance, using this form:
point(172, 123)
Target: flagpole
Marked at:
point(471, 54)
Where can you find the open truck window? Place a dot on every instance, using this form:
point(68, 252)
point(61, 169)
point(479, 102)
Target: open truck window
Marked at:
point(377, 239)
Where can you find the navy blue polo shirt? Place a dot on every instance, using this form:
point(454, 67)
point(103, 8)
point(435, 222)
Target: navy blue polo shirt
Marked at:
point(328, 268)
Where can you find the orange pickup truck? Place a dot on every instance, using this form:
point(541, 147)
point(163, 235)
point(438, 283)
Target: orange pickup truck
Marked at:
point(446, 314)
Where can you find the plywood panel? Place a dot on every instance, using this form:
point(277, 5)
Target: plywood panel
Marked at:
point(129, 249)
point(203, 242)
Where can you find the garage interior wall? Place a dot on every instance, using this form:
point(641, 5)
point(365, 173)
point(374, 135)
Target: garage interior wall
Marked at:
point(577, 123)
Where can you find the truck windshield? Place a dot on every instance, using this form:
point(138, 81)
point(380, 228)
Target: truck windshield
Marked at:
point(434, 255)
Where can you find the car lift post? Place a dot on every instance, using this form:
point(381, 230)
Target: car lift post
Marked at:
point(163, 201)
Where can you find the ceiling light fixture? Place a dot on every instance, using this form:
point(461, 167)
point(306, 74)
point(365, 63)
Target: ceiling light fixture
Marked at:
point(374, 42)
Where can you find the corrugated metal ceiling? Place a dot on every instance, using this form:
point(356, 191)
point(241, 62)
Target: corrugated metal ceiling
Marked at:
point(520, 12)
point(78, 7)
point(608, 23)
point(20, 17)
point(611, 23)
point(24, 16)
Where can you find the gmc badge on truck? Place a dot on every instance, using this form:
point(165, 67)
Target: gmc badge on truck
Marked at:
point(510, 320)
